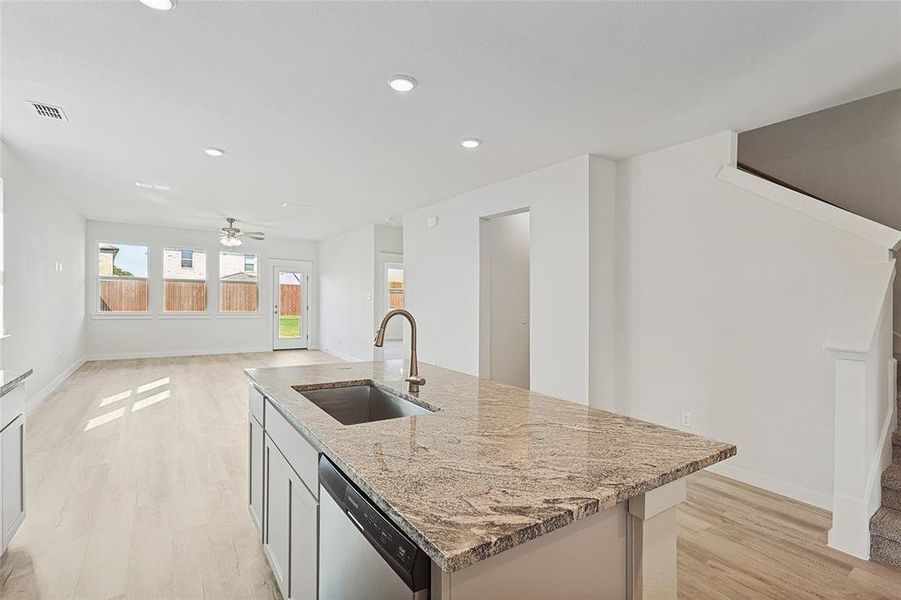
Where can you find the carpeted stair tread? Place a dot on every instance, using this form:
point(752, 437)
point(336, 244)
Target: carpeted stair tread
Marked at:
point(885, 551)
point(891, 477)
point(886, 523)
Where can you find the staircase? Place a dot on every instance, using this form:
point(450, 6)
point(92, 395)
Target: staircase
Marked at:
point(885, 526)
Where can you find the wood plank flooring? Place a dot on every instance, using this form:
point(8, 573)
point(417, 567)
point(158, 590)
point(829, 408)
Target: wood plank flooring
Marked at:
point(137, 485)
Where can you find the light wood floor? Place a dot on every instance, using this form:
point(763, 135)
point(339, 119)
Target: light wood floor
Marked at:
point(137, 475)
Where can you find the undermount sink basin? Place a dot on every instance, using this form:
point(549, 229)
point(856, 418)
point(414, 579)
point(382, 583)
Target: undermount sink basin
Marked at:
point(365, 403)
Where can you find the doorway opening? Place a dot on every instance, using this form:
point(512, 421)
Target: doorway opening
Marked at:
point(391, 296)
point(504, 298)
point(290, 305)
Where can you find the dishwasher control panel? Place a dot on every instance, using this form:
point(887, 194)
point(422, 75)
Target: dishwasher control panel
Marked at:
point(396, 548)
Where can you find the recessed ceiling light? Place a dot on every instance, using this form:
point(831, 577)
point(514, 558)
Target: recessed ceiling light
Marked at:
point(289, 205)
point(389, 219)
point(471, 143)
point(159, 4)
point(401, 83)
point(213, 151)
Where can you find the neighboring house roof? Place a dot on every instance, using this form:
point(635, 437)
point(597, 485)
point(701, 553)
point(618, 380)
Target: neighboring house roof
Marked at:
point(109, 248)
point(240, 278)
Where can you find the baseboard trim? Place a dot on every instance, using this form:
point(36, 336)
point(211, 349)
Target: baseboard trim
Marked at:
point(783, 488)
point(42, 394)
point(132, 355)
point(341, 355)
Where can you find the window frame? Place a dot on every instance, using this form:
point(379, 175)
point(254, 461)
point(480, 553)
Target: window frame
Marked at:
point(181, 248)
point(235, 314)
point(120, 314)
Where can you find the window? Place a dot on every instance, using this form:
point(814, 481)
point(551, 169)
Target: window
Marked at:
point(184, 280)
point(238, 289)
point(394, 285)
point(122, 278)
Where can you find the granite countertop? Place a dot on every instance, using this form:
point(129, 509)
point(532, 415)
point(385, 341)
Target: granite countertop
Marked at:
point(497, 466)
point(9, 379)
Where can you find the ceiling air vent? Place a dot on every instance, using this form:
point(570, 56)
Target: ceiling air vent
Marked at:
point(49, 111)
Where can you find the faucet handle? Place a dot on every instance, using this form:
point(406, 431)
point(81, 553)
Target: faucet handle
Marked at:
point(417, 380)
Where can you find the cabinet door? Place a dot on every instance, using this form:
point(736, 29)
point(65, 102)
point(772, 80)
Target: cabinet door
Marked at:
point(304, 517)
point(12, 477)
point(256, 449)
point(290, 528)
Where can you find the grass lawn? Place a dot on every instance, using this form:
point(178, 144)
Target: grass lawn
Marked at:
point(289, 326)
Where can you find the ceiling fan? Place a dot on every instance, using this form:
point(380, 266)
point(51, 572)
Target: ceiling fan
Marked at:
point(231, 235)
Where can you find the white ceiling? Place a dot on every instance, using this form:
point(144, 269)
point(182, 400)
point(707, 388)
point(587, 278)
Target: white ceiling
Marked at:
point(849, 155)
point(295, 92)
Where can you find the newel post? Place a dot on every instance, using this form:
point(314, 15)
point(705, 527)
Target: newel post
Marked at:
point(850, 531)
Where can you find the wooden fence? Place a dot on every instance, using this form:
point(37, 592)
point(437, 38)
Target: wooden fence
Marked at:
point(180, 295)
point(395, 294)
point(122, 294)
point(289, 298)
point(238, 296)
point(126, 294)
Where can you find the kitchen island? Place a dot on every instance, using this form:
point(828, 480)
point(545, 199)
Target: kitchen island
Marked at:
point(510, 493)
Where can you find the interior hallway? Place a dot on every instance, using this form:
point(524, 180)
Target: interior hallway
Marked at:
point(137, 488)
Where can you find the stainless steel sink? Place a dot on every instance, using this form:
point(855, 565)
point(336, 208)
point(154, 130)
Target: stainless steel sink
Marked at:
point(366, 403)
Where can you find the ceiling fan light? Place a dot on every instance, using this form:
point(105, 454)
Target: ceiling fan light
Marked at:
point(230, 241)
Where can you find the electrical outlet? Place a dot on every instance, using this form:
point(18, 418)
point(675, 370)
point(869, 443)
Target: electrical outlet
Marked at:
point(686, 419)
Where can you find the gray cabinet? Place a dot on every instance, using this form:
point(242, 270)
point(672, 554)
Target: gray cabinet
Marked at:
point(256, 449)
point(290, 527)
point(12, 478)
point(283, 497)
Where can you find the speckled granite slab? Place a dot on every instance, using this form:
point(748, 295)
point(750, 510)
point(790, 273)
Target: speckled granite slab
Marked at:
point(495, 467)
point(9, 379)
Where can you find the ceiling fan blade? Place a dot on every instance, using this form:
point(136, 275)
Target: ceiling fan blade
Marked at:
point(254, 233)
point(254, 237)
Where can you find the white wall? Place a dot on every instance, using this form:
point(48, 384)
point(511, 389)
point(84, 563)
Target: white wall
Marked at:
point(389, 242)
point(442, 269)
point(602, 278)
point(723, 305)
point(43, 284)
point(172, 335)
point(347, 278)
point(505, 299)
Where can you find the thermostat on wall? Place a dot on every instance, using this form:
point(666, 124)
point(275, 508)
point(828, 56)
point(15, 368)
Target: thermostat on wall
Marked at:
point(431, 222)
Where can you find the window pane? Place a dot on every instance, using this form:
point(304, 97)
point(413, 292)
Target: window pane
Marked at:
point(184, 280)
point(394, 282)
point(122, 270)
point(238, 291)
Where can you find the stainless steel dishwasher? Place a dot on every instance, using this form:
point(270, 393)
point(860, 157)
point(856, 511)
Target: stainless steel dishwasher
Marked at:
point(362, 554)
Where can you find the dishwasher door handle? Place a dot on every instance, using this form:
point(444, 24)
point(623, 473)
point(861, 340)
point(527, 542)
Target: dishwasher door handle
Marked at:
point(355, 521)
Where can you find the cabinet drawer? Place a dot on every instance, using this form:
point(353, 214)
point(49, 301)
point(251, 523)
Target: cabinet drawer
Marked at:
point(12, 405)
point(302, 457)
point(255, 404)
